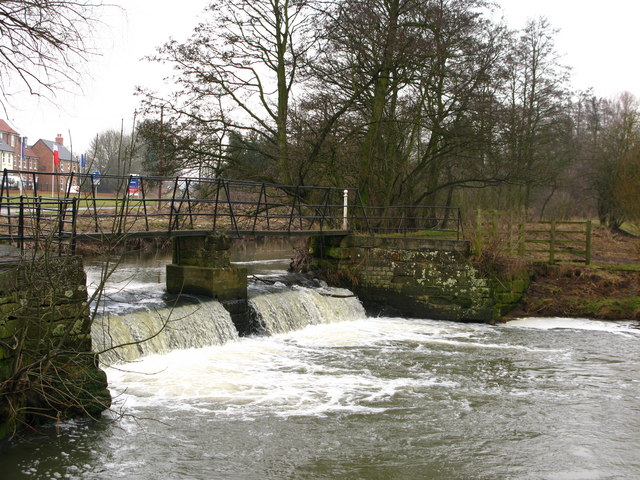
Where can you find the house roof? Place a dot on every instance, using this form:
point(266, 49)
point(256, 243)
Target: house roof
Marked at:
point(63, 153)
point(4, 127)
point(4, 147)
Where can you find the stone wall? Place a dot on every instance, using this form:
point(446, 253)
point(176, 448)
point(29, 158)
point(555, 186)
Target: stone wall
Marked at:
point(419, 278)
point(47, 369)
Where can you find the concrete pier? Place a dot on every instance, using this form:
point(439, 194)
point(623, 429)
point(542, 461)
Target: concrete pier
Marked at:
point(201, 266)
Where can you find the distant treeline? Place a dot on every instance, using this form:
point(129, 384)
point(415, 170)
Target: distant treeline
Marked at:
point(411, 101)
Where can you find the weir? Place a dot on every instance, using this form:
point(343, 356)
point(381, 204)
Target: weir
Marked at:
point(127, 337)
point(201, 266)
point(417, 277)
point(422, 278)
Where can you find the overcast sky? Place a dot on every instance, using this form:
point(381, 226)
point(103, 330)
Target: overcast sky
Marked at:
point(597, 39)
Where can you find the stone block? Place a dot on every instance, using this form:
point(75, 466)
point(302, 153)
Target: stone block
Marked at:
point(219, 283)
point(8, 281)
point(5, 353)
point(202, 251)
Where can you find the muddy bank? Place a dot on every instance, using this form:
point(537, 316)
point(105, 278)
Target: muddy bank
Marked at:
point(604, 293)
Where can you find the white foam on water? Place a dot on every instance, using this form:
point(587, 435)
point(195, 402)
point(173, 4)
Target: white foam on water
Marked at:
point(542, 323)
point(284, 375)
point(264, 262)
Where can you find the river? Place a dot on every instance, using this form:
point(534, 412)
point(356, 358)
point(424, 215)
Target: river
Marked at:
point(353, 397)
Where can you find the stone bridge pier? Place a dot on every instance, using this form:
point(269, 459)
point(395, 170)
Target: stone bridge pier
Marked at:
point(201, 266)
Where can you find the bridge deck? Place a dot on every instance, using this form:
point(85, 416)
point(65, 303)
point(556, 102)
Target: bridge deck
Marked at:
point(197, 233)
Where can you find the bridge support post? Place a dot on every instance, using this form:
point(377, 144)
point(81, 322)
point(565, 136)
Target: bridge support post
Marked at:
point(201, 266)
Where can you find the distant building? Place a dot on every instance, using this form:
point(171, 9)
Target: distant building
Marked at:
point(6, 156)
point(37, 161)
point(16, 155)
point(44, 150)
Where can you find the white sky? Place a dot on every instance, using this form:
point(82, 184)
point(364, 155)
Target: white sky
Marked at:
point(598, 40)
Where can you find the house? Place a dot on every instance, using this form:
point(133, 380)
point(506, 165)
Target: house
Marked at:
point(6, 156)
point(45, 152)
point(36, 163)
point(16, 155)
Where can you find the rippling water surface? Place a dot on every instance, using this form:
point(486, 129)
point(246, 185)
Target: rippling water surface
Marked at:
point(368, 398)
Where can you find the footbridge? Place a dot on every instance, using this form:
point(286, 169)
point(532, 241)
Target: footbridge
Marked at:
point(407, 256)
point(40, 209)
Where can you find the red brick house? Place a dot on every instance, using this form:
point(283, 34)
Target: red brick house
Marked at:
point(44, 150)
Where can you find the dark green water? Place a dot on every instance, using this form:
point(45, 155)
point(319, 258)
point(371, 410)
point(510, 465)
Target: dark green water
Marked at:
point(376, 398)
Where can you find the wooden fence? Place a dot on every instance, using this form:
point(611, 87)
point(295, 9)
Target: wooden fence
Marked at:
point(552, 241)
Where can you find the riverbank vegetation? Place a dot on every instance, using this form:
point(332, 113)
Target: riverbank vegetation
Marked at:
point(608, 289)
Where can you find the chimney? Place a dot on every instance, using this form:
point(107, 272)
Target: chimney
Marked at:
point(59, 139)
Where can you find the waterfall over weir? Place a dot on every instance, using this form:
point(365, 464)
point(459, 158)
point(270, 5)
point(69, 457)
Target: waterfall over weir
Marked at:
point(207, 323)
point(281, 312)
point(161, 330)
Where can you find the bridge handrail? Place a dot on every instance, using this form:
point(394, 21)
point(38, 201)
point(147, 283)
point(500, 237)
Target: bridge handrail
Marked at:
point(193, 203)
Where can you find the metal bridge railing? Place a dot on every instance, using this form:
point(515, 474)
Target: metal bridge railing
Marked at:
point(415, 221)
point(58, 207)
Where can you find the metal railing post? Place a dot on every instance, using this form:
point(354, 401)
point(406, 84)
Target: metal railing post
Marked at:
point(552, 243)
point(74, 222)
point(21, 225)
point(345, 209)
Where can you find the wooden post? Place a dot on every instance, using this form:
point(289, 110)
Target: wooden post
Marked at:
point(552, 243)
point(587, 254)
point(521, 238)
point(345, 209)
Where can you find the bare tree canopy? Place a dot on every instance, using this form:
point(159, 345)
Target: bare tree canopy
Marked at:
point(42, 43)
point(415, 102)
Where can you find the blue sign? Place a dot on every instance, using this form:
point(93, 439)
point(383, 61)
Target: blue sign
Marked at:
point(134, 186)
point(95, 176)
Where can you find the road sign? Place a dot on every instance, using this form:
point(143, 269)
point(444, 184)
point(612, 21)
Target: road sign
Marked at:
point(134, 186)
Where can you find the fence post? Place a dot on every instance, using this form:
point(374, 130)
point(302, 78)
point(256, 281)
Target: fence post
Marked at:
point(587, 255)
point(345, 209)
point(552, 243)
point(521, 238)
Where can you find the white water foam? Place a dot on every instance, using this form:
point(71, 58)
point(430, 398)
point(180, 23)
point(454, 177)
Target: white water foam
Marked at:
point(284, 375)
point(576, 324)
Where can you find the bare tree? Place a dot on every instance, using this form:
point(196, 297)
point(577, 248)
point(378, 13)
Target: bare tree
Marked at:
point(413, 76)
point(609, 145)
point(42, 43)
point(238, 69)
point(536, 100)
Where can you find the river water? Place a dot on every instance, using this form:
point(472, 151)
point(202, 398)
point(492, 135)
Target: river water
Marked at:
point(353, 397)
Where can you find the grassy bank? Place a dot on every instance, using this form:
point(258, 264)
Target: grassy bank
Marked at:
point(577, 291)
point(607, 290)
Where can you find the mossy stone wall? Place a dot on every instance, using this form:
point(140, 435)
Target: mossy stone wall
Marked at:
point(420, 278)
point(47, 368)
